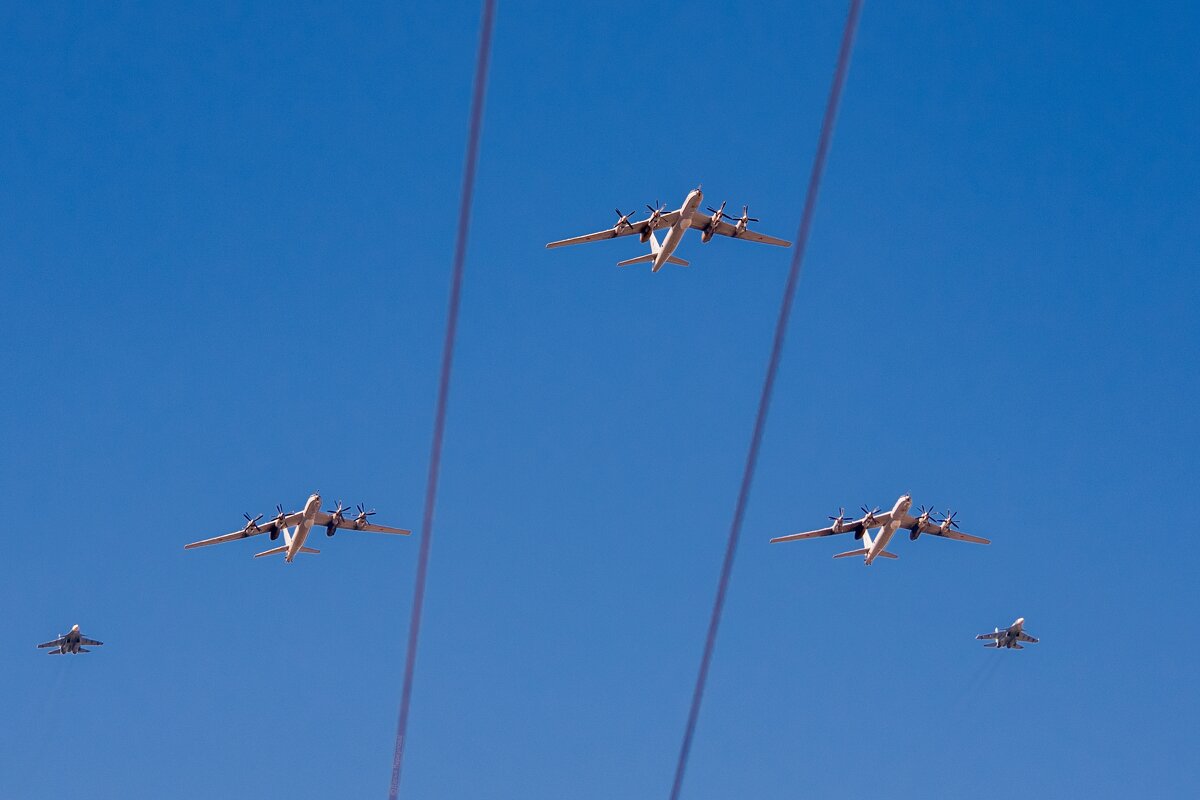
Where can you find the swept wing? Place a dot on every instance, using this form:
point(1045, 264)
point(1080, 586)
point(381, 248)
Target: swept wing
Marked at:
point(288, 521)
point(850, 526)
point(723, 228)
point(664, 221)
point(909, 522)
point(348, 524)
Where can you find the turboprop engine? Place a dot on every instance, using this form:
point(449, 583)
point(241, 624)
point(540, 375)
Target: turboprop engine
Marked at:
point(922, 520)
point(337, 518)
point(710, 229)
point(277, 523)
point(652, 222)
point(868, 521)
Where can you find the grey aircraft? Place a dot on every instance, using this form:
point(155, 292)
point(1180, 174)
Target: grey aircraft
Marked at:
point(1010, 637)
point(70, 642)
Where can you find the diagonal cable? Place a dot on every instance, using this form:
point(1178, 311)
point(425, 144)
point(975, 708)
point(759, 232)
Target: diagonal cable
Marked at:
point(439, 425)
point(764, 402)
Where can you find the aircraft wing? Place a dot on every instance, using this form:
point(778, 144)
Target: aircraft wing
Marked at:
point(1025, 637)
point(909, 522)
point(723, 228)
point(56, 643)
point(323, 519)
point(793, 537)
point(849, 526)
point(92, 642)
point(288, 521)
point(995, 635)
point(665, 221)
point(934, 530)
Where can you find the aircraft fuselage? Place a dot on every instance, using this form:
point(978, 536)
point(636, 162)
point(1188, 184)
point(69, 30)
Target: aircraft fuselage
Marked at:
point(295, 540)
point(675, 233)
point(887, 531)
point(1009, 638)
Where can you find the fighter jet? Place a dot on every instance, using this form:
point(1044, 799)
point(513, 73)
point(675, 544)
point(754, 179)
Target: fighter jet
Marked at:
point(304, 521)
point(70, 642)
point(1009, 637)
point(676, 224)
point(888, 523)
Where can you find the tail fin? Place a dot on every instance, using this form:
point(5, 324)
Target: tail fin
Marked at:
point(847, 554)
point(271, 552)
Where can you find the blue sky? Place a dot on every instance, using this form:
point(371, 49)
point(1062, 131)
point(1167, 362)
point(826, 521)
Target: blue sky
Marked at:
point(225, 259)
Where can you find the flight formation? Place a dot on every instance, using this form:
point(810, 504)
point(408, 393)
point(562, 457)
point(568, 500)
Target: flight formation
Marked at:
point(295, 527)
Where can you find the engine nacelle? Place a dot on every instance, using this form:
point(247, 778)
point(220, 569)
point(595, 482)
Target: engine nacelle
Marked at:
point(274, 534)
point(914, 533)
point(707, 235)
point(858, 534)
point(330, 529)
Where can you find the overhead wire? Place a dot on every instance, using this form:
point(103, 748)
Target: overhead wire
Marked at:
point(482, 63)
point(764, 403)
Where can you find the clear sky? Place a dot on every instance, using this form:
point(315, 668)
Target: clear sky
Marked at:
point(224, 246)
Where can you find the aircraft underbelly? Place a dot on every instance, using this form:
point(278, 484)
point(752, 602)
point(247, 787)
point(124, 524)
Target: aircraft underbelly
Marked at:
point(298, 539)
point(884, 536)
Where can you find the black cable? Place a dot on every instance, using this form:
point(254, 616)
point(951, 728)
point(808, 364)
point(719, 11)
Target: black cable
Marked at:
point(439, 424)
point(764, 402)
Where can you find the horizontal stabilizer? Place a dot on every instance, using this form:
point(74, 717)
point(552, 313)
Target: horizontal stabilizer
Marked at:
point(1016, 646)
point(54, 652)
point(992, 644)
point(886, 554)
point(678, 261)
point(272, 551)
point(849, 553)
point(309, 550)
point(639, 260)
point(83, 650)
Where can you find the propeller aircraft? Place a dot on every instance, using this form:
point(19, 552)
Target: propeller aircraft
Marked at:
point(676, 224)
point(303, 522)
point(888, 523)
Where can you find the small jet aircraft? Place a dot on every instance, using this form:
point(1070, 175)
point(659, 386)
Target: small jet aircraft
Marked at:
point(676, 224)
point(304, 521)
point(888, 523)
point(70, 642)
point(1009, 637)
